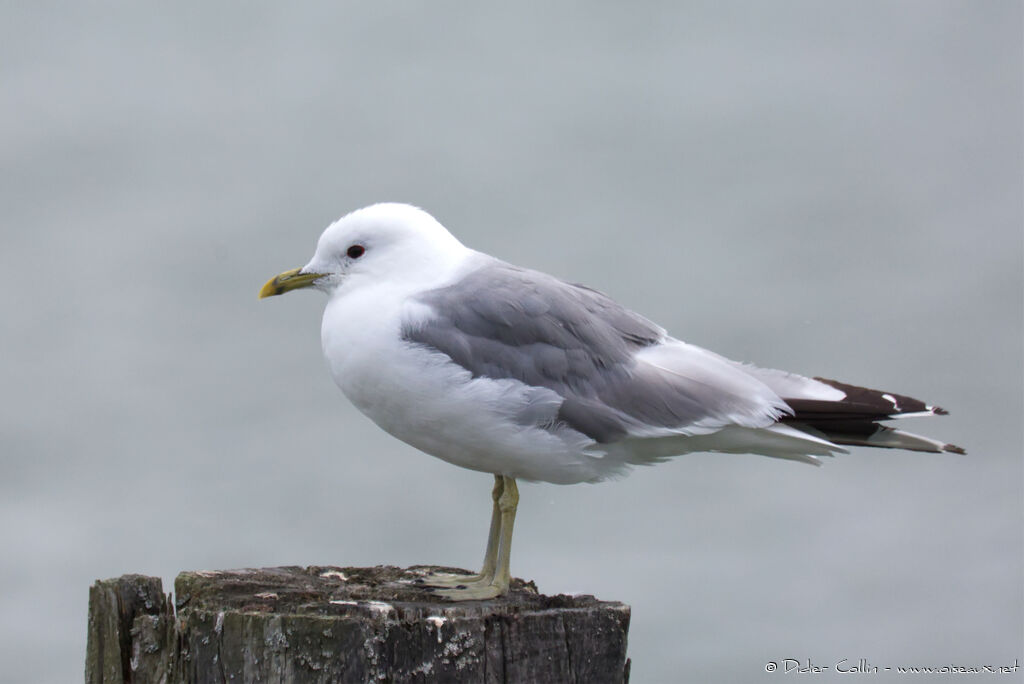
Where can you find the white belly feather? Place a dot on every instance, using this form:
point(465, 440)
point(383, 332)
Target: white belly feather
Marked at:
point(424, 399)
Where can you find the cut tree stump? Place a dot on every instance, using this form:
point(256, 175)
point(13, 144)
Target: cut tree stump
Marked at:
point(328, 624)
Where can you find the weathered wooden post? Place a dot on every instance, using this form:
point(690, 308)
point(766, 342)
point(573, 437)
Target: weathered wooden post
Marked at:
point(327, 624)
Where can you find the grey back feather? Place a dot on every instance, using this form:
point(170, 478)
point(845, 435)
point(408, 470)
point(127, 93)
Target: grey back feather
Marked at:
point(501, 322)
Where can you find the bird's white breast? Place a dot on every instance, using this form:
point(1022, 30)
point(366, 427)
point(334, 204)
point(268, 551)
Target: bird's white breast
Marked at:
point(421, 397)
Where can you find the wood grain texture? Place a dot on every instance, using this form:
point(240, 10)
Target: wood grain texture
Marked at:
point(332, 624)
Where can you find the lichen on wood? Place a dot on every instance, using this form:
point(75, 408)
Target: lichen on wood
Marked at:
point(332, 624)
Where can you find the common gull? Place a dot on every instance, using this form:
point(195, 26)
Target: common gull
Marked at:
point(511, 371)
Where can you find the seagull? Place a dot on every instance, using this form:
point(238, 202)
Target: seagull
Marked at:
point(510, 371)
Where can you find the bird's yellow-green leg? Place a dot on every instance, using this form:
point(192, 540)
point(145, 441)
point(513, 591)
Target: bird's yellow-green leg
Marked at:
point(491, 552)
point(498, 583)
point(447, 579)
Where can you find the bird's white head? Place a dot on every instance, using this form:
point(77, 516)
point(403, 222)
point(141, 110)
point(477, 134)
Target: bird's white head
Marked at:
point(384, 241)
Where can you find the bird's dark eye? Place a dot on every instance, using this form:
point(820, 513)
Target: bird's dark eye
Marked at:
point(356, 251)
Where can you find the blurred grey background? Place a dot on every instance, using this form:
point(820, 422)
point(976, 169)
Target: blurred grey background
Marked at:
point(829, 188)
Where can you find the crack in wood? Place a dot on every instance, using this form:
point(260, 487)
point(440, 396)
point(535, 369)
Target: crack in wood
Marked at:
point(321, 625)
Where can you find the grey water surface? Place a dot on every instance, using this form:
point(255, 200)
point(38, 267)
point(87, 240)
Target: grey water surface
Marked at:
point(828, 188)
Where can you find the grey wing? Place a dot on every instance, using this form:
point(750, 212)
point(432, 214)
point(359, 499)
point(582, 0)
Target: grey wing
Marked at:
point(618, 374)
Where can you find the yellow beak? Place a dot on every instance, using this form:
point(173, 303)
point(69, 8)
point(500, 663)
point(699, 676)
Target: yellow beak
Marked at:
point(287, 281)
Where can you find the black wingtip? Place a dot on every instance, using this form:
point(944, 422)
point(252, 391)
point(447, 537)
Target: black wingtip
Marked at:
point(939, 411)
point(954, 449)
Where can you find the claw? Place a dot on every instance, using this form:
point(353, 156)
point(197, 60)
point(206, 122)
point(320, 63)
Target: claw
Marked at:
point(493, 579)
point(446, 580)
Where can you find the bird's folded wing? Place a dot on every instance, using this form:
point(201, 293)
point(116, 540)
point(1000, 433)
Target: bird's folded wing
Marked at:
point(619, 375)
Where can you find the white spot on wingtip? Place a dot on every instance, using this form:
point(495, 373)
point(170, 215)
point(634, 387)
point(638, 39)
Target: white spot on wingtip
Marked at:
point(891, 399)
point(914, 414)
